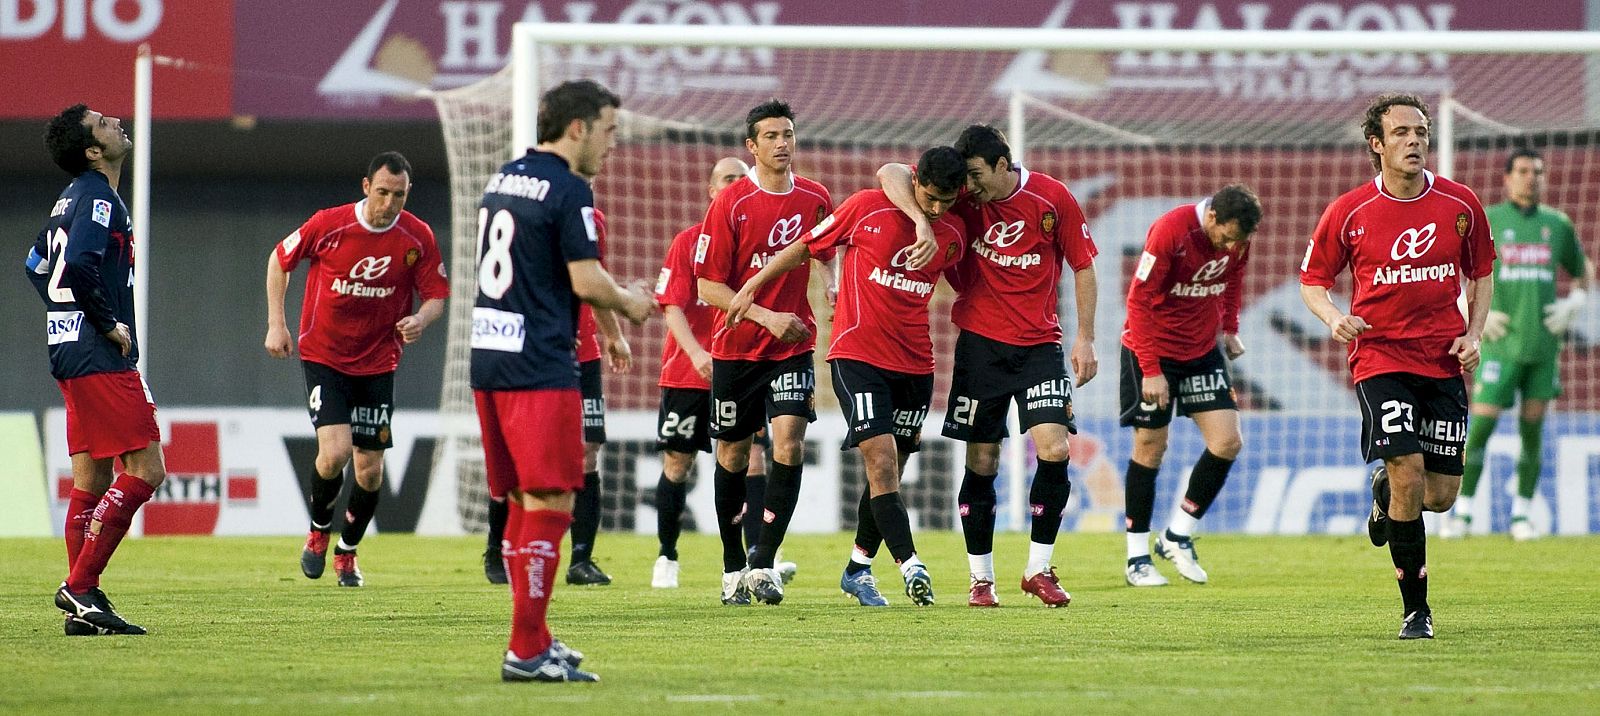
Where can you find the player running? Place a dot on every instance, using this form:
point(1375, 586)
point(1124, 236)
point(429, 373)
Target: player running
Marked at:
point(1185, 292)
point(1023, 224)
point(761, 369)
point(82, 266)
point(1522, 335)
point(1409, 239)
point(882, 354)
point(366, 260)
point(537, 257)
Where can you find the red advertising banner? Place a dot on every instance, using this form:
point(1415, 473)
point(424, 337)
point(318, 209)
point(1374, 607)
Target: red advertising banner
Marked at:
point(56, 53)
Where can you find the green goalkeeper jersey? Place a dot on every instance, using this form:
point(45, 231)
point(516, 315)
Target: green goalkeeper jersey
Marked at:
point(1529, 246)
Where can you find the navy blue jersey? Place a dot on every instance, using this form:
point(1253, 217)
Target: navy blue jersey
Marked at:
point(536, 216)
point(82, 266)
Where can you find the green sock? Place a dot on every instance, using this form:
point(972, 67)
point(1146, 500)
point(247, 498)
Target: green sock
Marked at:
point(1530, 461)
point(1479, 428)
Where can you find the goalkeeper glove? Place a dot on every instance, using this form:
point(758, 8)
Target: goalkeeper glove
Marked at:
point(1558, 315)
point(1494, 327)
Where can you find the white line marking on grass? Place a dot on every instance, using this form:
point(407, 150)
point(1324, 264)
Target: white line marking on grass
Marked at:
point(714, 698)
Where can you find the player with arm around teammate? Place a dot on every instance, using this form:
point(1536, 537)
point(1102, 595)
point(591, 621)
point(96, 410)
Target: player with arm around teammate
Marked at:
point(366, 262)
point(1184, 294)
point(1409, 239)
point(82, 266)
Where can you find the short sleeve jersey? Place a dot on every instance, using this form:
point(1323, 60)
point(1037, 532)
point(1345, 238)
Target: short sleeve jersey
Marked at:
point(536, 216)
point(675, 286)
point(881, 317)
point(744, 229)
point(82, 266)
point(588, 344)
point(1530, 245)
point(1010, 278)
point(1407, 259)
point(1185, 291)
point(360, 281)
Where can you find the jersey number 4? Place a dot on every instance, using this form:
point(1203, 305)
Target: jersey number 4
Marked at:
point(495, 272)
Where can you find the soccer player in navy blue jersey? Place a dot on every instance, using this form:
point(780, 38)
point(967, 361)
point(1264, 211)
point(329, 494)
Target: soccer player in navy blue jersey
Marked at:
point(82, 266)
point(538, 257)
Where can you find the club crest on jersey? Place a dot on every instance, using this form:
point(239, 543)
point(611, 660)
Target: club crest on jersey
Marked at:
point(784, 231)
point(1461, 225)
point(411, 257)
point(821, 212)
point(1047, 223)
point(950, 252)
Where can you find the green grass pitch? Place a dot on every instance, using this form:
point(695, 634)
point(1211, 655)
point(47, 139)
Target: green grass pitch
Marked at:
point(1288, 625)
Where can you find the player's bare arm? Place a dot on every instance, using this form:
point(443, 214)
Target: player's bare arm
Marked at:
point(1086, 287)
point(619, 355)
point(411, 327)
point(595, 287)
point(787, 327)
point(896, 182)
point(1343, 327)
point(1232, 346)
point(678, 326)
point(279, 344)
point(743, 303)
point(1465, 347)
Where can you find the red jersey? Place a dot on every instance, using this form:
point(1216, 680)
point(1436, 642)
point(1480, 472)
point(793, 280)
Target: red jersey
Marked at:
point(676, 287)
point(360, 284)
point(1407, 259)
point(1184, 292)
point(745, 227)
point(882, 314)
point(1008, 282)
point(588, 346)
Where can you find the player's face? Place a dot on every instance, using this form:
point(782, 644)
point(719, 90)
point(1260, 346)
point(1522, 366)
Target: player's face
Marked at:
point(597, 142)
point(1525, 181)
point(386, 196)
point(933, 202)
point(773, 146)
point(986, 183)
point(1404, 146)
point(726, 172)
point(114, 142)
point(1226, 237)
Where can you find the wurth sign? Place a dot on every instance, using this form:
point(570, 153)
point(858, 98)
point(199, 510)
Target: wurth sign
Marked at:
point(197, 487)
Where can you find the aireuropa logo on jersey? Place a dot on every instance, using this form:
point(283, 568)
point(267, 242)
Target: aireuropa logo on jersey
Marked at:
point(476, 38)
point(1413, 244)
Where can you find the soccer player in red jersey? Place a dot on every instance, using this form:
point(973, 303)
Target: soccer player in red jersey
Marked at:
point(82, 266)
point(1409, 239)
point(1184, 293)
point(366, 259)
point(683, 423)
point(882, 355)
point(538, 257)
point(1022, 225)
point(761, 369)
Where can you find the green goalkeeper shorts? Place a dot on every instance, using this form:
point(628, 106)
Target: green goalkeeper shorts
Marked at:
point(1498, 382)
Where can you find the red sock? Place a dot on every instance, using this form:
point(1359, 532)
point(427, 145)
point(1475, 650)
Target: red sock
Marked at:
point(115, 515)
point(80, 509)
point(509, 536)
point(537, 563)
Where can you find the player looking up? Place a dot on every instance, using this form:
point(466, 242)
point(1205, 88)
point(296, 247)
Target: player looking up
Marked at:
point(1409, 239)
point(366, 261)
point(1184, 293)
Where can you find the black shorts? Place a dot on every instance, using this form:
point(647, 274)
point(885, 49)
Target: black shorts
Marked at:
point(683, 424)
point(591, 386)
point(989, 374)
point(1403, 414)
point(364, 402)
point(745, 394)
point(882, 402)
point(1195, 386)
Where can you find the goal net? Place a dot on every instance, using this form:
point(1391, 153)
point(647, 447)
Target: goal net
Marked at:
point(1133, 132)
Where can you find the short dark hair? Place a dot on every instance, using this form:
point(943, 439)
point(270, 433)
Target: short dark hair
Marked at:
point(395, 162)
point(1236, 202)
point(982, 140)
point(766, 110)
point(1372, 125)
point(1522, 153)
point(66, 138)
point(942, 168)
point(570, 100)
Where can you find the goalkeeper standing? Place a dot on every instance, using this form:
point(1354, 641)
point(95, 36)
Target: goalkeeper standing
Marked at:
point(1522, 336)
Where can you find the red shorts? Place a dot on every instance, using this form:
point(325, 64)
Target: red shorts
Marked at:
point(532, 439)
point(109, 414)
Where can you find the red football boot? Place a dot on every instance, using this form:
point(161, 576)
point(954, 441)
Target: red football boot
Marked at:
point(982, 594)
point(1047, 588)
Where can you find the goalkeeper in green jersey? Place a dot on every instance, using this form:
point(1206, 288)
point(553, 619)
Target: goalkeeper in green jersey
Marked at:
point(1523, 334)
